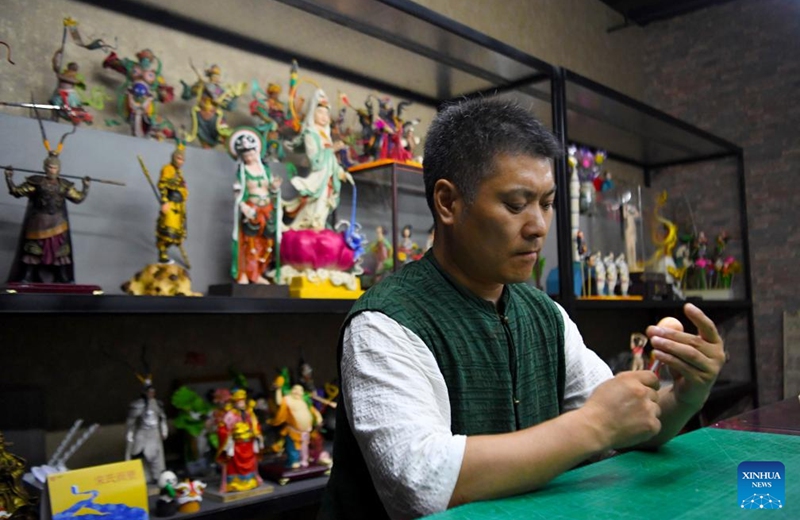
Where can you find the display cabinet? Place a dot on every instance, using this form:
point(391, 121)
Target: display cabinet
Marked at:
point(402, 49)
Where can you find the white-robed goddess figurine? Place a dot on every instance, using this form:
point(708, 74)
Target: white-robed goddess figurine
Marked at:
point(319, 190)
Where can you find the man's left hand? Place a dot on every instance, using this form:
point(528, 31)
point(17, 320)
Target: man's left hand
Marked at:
point(694, 360)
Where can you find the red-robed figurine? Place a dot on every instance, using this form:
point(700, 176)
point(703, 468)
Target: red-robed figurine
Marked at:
point(240, 444)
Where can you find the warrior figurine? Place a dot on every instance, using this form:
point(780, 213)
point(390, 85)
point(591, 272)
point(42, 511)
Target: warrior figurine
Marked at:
point(45, 241)
point(146, 432)
point(171, 224)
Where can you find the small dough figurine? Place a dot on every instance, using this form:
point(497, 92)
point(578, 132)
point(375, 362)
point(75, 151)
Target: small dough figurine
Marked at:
point(638, 342)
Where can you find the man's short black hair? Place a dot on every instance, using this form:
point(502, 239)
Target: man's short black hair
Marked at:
point(465, 138)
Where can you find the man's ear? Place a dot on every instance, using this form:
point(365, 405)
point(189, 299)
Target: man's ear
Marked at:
point(446, 201)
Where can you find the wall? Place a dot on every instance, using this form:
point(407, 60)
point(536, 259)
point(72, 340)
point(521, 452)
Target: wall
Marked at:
point(734, 70)
point(34, 31)
point(568, 33)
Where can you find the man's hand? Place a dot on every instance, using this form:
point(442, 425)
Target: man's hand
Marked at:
point(694, 360)
point(9, 172)
point(625, 409)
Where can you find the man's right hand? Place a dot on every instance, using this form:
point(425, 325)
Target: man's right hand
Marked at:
point(625, 409)
point(9, 172)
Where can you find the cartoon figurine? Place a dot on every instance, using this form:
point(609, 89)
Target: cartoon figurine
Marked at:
point(45, 242)
point(139, 95)
point(14, 500)
point(240, 444)
point(166, 505)
point(146, 431)
point(638, 342)
point(319, 190)
point(213, 99)
point(190, 494)
point(257, 209)
point(300, 421)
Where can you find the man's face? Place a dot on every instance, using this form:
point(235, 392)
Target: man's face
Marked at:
point(177, 160)
point(497, 239)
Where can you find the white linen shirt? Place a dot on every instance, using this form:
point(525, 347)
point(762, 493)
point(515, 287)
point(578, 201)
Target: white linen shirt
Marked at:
point(399, 410)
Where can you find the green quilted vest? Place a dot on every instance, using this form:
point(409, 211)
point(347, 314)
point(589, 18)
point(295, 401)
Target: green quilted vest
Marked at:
point(504, 365)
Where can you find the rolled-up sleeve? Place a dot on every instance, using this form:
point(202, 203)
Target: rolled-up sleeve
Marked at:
point(398, 407)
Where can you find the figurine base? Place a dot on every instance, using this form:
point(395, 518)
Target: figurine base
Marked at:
point(709, 294)
point(278, 472)
point(212, 492)
point(301, 287)
point(50, 288)
point(250, 290)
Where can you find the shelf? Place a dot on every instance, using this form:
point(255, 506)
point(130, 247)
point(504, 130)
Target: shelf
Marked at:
point(302, 493)
point(118, 304)
point(617, 305)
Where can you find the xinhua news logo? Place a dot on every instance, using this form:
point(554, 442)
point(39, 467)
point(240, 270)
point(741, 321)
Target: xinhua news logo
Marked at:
point(762, 485)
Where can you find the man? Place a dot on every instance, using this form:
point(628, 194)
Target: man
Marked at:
point(459, 383)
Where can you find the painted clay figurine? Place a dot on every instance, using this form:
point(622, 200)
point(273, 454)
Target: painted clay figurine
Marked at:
point(45, 242)
point(257, 210)
point(599, 273)
point(213, 100)
point(389, 129)
point(240, 444)
point(299, 420)
point(146, 430)
point(319, 190)
point(141, 92)
point(611, 273)
point(624, 274)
